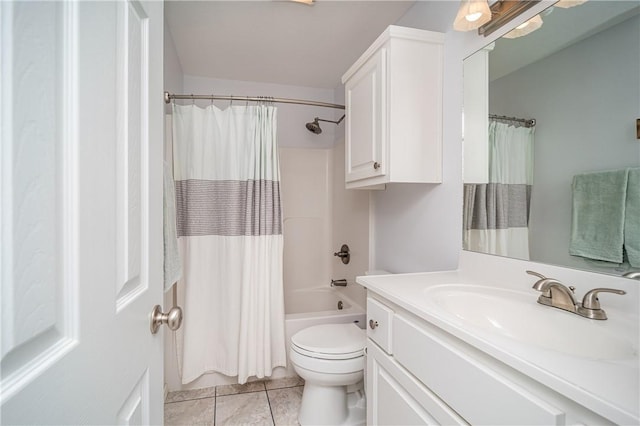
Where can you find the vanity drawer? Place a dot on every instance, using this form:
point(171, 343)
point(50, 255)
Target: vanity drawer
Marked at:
point(379, 320)
point(478, 393)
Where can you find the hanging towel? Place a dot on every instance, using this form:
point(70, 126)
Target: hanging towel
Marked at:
point(632, 218)
point(172, 260)
point(598, 218)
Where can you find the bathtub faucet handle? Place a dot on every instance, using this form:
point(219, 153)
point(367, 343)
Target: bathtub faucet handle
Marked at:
point(339, 283)
point(343, 254)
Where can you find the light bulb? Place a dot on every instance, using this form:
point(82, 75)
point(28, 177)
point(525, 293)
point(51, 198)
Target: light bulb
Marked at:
point(472, 14)
point(473, 17)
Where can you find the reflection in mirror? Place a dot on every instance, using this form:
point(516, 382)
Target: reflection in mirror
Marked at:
point(565, 191)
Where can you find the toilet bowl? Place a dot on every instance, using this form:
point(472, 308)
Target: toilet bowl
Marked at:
point(330, 358)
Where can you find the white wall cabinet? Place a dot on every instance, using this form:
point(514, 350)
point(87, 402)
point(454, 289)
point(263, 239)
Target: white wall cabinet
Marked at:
point(421, 374)
point(393, 96)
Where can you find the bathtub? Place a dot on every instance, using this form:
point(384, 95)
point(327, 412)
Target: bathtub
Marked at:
point(308, 307)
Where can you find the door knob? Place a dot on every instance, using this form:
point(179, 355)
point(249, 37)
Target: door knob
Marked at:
point(373, 324)
point(376, 165)
point(173, 318)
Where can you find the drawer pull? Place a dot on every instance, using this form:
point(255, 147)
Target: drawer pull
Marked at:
point(373, 324)
point(376, 165)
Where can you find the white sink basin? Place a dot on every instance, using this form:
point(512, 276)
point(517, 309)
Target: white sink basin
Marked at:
point(517, 315)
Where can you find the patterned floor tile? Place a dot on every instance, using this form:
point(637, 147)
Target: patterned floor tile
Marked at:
point(285, 405)
point(287, 382)
point(236, 389)
point(186, 395)
point(245, 408)
point(192, 412)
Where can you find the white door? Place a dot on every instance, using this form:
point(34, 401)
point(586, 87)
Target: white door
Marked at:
point(81, 224)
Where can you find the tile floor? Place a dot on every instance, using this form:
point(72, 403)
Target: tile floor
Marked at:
point(271, 402)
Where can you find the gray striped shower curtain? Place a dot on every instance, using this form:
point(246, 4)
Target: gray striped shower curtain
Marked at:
point(496, 214)
point(229, 226)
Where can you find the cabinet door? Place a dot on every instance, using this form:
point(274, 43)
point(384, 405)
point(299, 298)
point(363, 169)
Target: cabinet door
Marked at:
point(388, 402)
point(395, 397)
point(365, 95)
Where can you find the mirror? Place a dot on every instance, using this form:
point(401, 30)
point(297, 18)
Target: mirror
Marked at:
point(578, 76)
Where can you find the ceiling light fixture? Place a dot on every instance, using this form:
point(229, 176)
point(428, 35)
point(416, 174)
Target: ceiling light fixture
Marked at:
point(525, 28)
point(471, 15)
point(504, 11)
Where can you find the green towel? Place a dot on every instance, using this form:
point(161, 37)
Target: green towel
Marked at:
point(632, 218)
point(598, 219)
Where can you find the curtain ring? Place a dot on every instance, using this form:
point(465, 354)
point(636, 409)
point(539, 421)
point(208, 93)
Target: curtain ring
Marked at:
point(231, 101)
point(212, 99)
point(193, 100)
point(247, 103)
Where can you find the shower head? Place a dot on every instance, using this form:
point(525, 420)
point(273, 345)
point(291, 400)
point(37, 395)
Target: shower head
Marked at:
point(314, 126)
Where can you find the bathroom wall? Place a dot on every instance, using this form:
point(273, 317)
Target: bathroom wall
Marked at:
point(552, 91)
point(417, 227)
point(173, 75)
point(173, 83)
point(291, 118)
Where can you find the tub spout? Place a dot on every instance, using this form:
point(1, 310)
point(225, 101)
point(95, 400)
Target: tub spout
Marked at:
point(339, 283)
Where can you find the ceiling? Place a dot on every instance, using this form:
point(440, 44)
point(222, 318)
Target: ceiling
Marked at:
point(277, 41)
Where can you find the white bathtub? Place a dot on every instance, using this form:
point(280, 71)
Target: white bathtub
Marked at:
point(305, 308)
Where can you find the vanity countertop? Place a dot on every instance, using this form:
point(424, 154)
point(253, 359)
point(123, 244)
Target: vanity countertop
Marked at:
point(609, 386)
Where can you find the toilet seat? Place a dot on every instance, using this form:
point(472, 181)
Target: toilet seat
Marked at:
point(330, 341)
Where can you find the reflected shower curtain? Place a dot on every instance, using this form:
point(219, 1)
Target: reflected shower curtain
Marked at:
point(229, 226)
point(496, 215)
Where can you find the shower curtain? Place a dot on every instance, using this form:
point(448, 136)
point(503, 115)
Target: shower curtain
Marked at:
point(229, 224)
point(496, 214)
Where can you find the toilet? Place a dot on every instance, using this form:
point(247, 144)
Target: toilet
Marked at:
point(330, 358)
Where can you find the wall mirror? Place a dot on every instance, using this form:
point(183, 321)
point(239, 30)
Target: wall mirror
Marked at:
point(578, 76)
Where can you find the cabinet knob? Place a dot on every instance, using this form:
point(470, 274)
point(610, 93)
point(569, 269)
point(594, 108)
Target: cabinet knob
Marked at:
point(376, 165)
point(373, 324)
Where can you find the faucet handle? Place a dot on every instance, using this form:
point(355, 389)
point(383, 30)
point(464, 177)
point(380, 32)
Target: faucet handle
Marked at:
point(537, 274)
point(590, 300)
point(591, 305)
point(543, 285)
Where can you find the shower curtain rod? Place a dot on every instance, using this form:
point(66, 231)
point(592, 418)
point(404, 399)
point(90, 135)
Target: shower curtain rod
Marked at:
point(168, 97)
point(526, 122)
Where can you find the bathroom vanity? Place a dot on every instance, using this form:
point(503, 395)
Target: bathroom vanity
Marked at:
point(474, 347)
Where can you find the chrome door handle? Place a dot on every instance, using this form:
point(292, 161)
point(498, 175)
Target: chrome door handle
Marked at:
point(173, 318)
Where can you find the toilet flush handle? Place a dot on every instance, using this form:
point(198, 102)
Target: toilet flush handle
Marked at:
point(373, 324)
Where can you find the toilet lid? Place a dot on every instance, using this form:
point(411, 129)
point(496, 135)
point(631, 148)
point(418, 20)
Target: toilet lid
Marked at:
point(331, 339)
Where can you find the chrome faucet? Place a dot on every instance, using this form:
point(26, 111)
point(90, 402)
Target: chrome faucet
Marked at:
point(554, 293)
point(557, 295)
